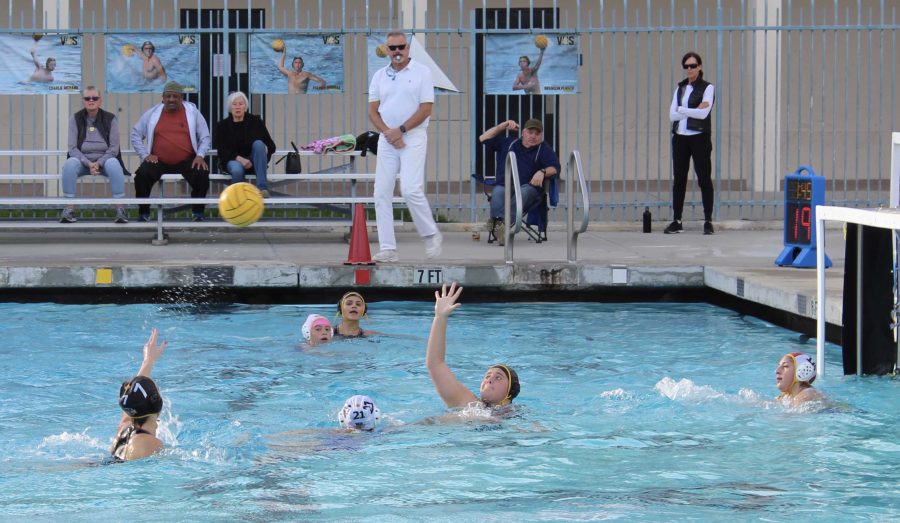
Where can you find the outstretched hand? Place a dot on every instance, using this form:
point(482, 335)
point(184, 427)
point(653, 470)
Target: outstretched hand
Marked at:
point(445, 300)
point(152, 350)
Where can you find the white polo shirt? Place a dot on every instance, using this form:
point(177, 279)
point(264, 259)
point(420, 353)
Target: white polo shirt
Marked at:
point(400, 93)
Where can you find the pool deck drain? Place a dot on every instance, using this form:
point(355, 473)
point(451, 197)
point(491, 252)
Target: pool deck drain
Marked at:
point(738, 261)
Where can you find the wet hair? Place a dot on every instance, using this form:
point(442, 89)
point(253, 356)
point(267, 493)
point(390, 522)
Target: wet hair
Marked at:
point(527, 60)
point(47, 63)
point(148, 42)
point(692, 54)
point(513, 379)
point(234, 96)
point(297, 58)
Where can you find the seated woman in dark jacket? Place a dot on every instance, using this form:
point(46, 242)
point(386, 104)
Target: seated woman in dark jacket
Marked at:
point(243, 143)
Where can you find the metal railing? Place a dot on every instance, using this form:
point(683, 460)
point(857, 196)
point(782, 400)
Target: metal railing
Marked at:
point(573, 166)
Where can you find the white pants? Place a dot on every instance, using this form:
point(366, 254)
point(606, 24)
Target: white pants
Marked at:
point(409, 163)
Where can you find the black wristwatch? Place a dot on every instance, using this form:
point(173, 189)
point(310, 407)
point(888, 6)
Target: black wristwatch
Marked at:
point(403, 129)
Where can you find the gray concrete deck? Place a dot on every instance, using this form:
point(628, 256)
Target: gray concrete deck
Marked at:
point(738, 260)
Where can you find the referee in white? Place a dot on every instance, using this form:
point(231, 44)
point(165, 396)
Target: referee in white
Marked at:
point(401, 97)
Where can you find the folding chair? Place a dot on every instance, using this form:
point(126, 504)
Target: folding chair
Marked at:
point(535, 217)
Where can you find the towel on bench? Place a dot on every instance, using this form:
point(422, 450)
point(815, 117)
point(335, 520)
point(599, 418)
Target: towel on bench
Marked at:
point(336, 144)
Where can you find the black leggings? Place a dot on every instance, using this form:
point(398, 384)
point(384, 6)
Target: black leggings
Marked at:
point(698, 147)
point(149, 173)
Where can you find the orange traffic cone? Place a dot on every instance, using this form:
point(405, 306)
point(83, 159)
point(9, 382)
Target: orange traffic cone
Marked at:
point(359, 239)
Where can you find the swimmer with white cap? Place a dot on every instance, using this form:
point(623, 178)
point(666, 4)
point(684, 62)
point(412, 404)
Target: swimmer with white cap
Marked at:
point(141, 405)
point(359, 413)
point(794, 375)
point(500, 384)
point(317, 330)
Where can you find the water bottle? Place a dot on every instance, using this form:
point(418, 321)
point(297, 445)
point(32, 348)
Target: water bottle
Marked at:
point(647, 219)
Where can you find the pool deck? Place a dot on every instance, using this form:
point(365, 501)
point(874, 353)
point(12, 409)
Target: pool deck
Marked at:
point(738, 261)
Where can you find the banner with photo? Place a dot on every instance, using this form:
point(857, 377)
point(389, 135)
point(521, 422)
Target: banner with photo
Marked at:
point(285, 63)
point(42, 63)
point(377, 57)
point(144, 63)
point(531, 64)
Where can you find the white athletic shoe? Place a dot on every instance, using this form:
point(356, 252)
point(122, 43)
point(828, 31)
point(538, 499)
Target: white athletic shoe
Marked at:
point(433, 245)
point(386, 256)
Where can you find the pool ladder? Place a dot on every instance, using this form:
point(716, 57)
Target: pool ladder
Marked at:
point(511, 172)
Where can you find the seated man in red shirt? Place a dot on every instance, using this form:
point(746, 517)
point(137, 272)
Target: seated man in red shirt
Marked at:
point(177, 139)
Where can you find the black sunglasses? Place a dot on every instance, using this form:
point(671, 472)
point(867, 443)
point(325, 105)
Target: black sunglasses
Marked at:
point(91, 98)
point(397, 47)
point(690, 66)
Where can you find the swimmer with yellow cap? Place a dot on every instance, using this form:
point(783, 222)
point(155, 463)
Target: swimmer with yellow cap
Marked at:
point(794, 375)
point(351, 308)
point(500, 384)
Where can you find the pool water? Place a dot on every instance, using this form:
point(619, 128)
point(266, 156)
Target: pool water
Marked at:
point(631, 412)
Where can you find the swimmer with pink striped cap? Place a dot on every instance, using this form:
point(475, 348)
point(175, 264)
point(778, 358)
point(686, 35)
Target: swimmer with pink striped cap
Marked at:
point(794, 375)
point(317, 330)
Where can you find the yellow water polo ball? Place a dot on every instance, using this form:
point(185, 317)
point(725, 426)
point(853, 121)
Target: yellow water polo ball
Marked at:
point(241, 204)
point(37, 37)
point(128, 50)
point(540, 41)
point(381, 50)
point(278, 45)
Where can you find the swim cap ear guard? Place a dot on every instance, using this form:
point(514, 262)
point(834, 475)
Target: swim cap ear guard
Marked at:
point(804, 367)
point(513, 379)
point(311, 320)
point(359, 413)
point(139, 397)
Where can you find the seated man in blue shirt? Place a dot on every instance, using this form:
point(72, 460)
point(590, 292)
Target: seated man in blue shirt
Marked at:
point(536, 162)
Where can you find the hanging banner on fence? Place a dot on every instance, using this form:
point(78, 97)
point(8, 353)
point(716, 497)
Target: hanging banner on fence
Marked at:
point(144, 63)
point(531, 64)
point(284, 63)
point(46, 63)
point(378, 58)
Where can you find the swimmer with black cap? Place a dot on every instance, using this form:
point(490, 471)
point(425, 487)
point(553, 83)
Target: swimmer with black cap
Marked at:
point(141, 404)
point(500, 384)
point(351, 308)
point(794, 375)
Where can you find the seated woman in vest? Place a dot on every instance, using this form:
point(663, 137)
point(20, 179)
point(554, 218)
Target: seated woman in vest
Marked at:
point(94, 150)
point(141, 404)
point(243, 143)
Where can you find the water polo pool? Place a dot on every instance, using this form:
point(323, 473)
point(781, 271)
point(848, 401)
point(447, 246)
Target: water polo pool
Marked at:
point(632, 412)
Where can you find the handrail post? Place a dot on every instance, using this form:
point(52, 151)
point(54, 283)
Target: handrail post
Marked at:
point(510, 173)
point(574, 166)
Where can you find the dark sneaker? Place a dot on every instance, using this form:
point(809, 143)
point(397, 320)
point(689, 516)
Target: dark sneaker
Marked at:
point(674, 228)
point(68, 216)
point(120, 216)
point(144, 218)
point(265, 193)
point(197, 218)
point(708, 228)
